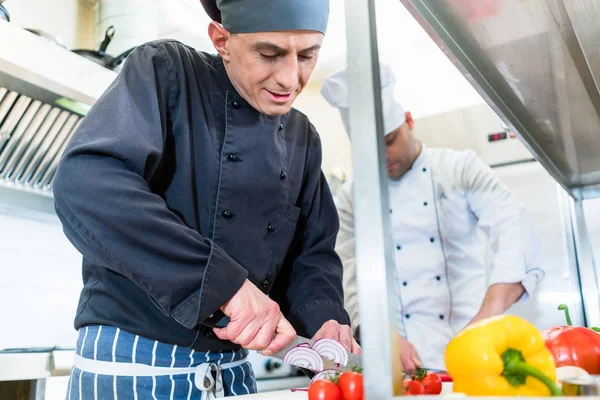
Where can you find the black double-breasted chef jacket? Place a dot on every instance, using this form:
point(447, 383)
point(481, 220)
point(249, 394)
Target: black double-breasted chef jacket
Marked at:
point(175, 190)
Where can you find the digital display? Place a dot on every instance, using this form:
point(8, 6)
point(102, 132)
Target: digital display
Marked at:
point(493, 137)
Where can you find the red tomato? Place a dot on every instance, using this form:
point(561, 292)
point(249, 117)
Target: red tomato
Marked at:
point(432, 384)
point(413, 387)
point(351, 386)
point(324, 390)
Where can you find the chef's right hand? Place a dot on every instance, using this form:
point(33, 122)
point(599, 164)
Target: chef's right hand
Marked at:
point(408, 356)
point(255, 322)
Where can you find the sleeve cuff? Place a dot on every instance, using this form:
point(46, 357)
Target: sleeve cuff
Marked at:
point(309, 318)
point(223, 277)
point(531, 281)
point(508, 267)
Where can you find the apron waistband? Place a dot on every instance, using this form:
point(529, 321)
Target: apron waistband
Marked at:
point(211, 386)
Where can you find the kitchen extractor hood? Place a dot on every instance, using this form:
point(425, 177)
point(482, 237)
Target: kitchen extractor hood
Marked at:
point(45, 92)
point(537, 64)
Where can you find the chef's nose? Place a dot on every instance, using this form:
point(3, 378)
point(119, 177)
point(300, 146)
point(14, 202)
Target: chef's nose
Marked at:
point(287, 75)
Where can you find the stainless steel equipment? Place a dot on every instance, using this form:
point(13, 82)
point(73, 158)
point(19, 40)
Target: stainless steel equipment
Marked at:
point(582, 386)
point(45, 90)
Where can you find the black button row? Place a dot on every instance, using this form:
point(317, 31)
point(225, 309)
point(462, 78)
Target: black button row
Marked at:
point(405, 283)
point(441, 316)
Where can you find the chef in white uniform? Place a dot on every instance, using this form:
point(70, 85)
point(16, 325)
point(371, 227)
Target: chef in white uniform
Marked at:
point(438, 200)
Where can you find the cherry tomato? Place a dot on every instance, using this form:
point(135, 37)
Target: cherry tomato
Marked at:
point(413, 387)
point(351, 386)
point(432, 383)
point(324, 390)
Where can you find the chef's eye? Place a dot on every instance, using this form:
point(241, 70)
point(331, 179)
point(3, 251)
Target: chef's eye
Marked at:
point(305, 57)
point(269, 57)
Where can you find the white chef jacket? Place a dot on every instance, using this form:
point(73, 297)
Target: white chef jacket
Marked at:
point(436, 208)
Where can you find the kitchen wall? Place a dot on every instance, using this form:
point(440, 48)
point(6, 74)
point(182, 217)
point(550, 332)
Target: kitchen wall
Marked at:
point(40, 280)
point(71, 20)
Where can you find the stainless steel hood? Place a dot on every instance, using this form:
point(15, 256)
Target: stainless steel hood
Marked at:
point(45, 92)
point(537, 63)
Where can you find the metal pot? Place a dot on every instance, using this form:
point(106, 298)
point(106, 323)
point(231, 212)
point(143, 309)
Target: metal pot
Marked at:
point(101, 57)
point(582, 386)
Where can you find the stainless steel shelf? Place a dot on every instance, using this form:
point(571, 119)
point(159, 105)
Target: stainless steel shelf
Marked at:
point(537, 64)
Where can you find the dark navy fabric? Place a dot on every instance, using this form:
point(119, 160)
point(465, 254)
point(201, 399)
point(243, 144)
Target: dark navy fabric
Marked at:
point(243, 16)
point(175, 191)
point(107, 343)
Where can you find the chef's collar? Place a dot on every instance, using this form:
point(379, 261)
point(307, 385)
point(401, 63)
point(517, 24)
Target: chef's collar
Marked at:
point(247, 16)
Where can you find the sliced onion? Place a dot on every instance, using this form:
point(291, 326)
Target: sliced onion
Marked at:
point(305, 344)
point(328, 373)
point(304, 357)
point(332, 350)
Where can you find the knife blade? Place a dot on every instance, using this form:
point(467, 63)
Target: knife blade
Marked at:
point(220, 320)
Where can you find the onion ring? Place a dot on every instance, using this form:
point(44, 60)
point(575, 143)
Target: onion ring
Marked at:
point(304, 357)
point(332, 350)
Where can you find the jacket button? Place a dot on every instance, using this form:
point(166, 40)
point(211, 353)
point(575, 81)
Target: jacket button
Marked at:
point(265, 283)
point(425, 203)
point(270, 228)
point(390, 210)
point(209, 335)
point(280, 127)
point(398, 247)
point(233, 157)
point(236, 104)
point(227, 214)
point(407, 315)
point(431, 240)
point(424, 169)
point(441, 316)
point(283, 175)
point(405, 283)
point(439, 278)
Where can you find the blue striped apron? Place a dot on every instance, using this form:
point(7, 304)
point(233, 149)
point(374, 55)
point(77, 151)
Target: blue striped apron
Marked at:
point(113, 364)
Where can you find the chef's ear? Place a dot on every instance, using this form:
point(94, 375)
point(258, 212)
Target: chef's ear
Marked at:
point(410, 121)
point(219, 37)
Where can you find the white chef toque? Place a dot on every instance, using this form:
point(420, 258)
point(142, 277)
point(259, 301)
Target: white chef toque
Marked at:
point(335, 91)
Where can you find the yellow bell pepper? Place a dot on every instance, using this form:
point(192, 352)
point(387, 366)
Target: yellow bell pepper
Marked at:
point(501, 356)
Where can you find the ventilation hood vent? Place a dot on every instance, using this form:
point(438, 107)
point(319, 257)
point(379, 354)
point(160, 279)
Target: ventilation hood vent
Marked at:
point(45, 92)
point(33, 136)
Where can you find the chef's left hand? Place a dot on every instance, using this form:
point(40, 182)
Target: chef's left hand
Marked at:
point(342, 333)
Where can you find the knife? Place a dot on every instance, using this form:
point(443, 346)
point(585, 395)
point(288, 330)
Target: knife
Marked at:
point(220, 320)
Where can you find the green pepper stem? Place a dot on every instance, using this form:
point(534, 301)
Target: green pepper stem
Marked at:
point(526, 369)
point(516, 370)
point(567, 316)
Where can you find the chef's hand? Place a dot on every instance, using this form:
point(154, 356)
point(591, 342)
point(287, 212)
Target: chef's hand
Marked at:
point(408, 356)
point(255, 322)
point(342, 333)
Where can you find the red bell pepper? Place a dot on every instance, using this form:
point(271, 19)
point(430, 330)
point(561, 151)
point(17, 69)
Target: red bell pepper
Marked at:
point(576, 346)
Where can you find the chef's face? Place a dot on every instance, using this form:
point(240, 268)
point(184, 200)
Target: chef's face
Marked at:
point(401, 149)
point(268, 69)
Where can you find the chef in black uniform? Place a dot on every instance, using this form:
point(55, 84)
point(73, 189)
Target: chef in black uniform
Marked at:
point(193, 187)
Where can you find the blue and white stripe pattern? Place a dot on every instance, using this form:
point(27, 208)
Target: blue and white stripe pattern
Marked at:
point(111, 345)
